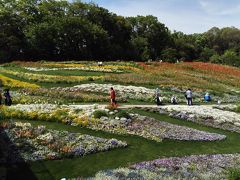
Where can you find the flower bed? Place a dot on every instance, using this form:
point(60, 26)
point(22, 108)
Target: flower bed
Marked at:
point(61, 95)
point(228, 107)
point(13, 83)
point(110, 121)
point(118, 67)
point(189, 167)
point(204, 114)
point(133, 92)
point(43, 78)
point(143, 93)
point(29, 143)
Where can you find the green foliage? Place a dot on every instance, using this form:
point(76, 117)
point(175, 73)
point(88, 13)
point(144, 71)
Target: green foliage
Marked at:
point(169, 55)
point(238, 109)
point(122, 113)
point(63, 30)
point(100, 113)
point(229, 57)
point(234, 174)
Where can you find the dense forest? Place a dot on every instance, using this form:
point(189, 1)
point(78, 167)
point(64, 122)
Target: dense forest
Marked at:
point(62, 30)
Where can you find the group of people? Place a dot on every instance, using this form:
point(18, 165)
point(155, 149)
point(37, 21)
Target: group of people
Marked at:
point(159, 100)
point(188, 96)
point(5, 98)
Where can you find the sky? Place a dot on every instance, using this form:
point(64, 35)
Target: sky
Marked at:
point(188, 16)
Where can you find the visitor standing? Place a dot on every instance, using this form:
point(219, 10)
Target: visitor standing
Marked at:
point(173, 99)
point(8, 99)
point(188, 96)
point(0, 97)
point(113, 97)
point(158, 97)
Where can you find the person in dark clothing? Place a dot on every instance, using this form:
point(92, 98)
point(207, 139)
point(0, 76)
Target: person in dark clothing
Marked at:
point(8, 99)
point(1, 97)
point(158, 97)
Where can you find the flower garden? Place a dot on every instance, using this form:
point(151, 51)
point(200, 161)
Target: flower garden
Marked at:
point(61, 125)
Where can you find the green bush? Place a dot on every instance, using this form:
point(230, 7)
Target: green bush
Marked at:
point(122, 113)
point(238, 109)
point(234, 174)
point(100, 113)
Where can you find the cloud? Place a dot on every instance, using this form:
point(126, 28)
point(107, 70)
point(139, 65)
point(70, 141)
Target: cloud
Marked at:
point(220, 7)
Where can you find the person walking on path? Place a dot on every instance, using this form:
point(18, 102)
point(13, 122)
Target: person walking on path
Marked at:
point(158, 97)
point(188, 96)
point(113, 97)
point(7, 96)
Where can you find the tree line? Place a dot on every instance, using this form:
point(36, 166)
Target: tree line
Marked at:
point(62, 30)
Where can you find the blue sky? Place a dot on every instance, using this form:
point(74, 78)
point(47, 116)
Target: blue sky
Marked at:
point(188, 16)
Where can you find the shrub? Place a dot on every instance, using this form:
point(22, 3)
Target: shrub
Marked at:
point(123, 113)
point(234, 174)
point(100, 113)
point(238, 109)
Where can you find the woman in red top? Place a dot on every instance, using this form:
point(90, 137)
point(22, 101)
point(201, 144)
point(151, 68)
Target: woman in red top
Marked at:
point(113, 97)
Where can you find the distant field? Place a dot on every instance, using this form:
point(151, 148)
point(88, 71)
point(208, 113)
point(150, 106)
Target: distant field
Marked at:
point(198, 76)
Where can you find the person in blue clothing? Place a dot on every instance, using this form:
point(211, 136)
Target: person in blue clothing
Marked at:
point(207, 97)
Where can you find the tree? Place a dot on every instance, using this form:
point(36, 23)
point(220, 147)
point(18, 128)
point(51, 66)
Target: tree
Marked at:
point(169, 55)
point(152, 34)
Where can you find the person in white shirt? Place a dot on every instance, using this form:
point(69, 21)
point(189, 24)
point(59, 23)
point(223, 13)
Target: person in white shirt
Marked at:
point(188, 96)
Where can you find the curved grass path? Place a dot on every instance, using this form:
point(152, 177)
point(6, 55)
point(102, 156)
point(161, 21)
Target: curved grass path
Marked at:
point(139, 149)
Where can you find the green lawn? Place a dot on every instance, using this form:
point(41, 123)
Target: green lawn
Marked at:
point(139, 149)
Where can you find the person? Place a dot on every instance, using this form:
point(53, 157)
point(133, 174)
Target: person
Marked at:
point(188, 96)
point(113, 97)
point(0, 97)
point(8, 99)
point(173, 99)
point(158, 97)
point(207, 97)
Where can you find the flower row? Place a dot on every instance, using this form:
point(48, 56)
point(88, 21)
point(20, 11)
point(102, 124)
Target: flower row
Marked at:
point(13, 83)
point(28, 143)
point(189, 167)
point(204, 114)
point(51, 78)
point(116, 121)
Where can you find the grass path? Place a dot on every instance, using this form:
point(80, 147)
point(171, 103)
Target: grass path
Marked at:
point(139, 149)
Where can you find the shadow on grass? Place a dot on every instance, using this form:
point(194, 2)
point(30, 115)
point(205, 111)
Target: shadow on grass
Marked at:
point(12, 165)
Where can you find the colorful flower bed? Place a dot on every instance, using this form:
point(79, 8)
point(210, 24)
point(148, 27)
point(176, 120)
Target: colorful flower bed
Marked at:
point(28, 143)
point(69, 94)
point(110, 121)
point(133, 92)
point(43, 78)
point(13, 83)
point(144, 94)
point(198, 76)
point(83, 66)
point(189, 167)
point(204, 114)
